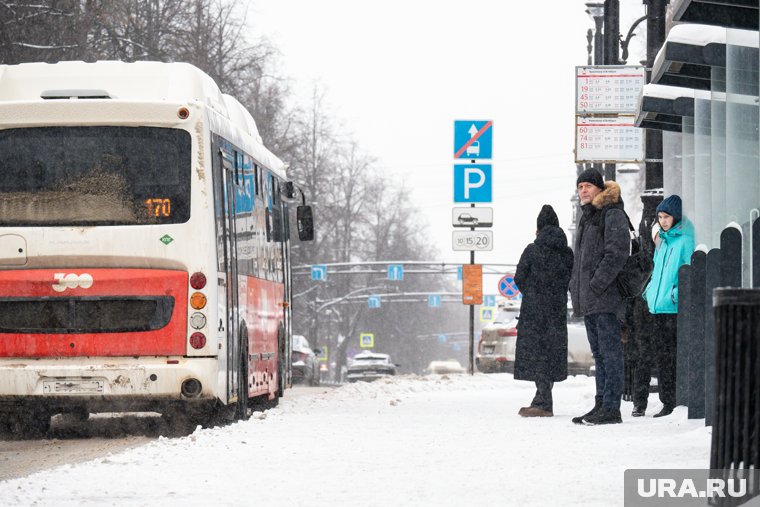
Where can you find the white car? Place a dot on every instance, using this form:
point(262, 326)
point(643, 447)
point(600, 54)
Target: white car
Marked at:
point(369, 366)
point(445, 367)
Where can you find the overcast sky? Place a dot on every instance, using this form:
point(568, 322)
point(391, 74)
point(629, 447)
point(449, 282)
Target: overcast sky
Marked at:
point(399, 72)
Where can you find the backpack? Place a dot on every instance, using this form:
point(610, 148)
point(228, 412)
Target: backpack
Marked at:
point(633, 278)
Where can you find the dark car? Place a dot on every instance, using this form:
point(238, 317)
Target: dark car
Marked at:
point(304, 361)
point(369, 366)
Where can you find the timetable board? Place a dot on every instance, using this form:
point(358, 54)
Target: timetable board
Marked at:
point(612, 139)
point(608, 89)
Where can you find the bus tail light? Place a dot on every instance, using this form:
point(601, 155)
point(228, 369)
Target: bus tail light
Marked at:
point(197, 340)
point(198, 281)
point(198, 300)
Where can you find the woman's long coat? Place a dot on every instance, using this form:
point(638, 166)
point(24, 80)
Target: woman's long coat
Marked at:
point(543, 277)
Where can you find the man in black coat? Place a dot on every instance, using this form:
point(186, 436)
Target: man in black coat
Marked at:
point(542, 276)
point(602, 246)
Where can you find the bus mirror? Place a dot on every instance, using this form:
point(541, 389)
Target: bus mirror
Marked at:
point(289, 191)
point(305, 221)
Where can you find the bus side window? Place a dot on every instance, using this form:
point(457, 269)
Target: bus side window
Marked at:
point(238, 168)
point(256, 183)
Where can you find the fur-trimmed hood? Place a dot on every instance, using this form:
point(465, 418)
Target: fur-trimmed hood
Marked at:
point(610, 195)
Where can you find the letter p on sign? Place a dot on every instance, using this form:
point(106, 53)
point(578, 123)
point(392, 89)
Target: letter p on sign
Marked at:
point(472, 183)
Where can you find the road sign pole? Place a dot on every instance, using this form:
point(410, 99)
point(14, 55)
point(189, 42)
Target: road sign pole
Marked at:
point(472, 316)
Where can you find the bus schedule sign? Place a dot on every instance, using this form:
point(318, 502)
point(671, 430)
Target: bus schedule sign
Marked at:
point(472, 284)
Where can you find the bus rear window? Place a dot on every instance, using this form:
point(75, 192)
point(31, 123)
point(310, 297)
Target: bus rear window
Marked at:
point(94, 176)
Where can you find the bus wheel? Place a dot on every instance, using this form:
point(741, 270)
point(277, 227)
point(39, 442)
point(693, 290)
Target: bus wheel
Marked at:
point(241, 411)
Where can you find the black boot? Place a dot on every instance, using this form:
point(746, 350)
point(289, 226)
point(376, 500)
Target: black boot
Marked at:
point(604, 416)
point(638, 411)
point(597, 406)
point(666, 410)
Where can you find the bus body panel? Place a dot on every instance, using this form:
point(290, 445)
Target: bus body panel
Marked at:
point(69, 294)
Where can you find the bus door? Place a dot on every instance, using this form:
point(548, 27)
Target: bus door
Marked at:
point(226, 191)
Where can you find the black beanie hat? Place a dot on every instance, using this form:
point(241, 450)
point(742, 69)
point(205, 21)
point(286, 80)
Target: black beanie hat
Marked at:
point(590, 176)
point(547, 216)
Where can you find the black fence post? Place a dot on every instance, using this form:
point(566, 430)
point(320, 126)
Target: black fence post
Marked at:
point(684, 329)
point(696, 339)
point(712, 281)
point(756, 253)
point(731, 257)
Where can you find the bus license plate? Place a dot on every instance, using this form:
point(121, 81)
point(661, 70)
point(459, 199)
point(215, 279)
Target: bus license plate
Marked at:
point(73, 386)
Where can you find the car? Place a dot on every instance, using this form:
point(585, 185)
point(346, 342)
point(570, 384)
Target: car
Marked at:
point(496, 348)
point(580, 361)
point(304, 361)
point(445, 367)
point(466, 218)
point(368, 366)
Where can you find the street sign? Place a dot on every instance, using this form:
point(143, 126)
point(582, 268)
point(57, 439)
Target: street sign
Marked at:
point(459, 273)
point(473, 139)
point(441, 338)
point(614, 139)
point(472, 183)
point(319, 272)
point(323, 353)
point(366, 340)
point(487, 315)
point(489, 301)
point(472, 217)
point(608, 89)
point(373, 301)
point(396, 272)
point(476, 241)
point(434, 300)
point(472, 284)
point(508, 287)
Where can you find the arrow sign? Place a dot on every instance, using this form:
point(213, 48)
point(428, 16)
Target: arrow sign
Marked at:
point(473, 139)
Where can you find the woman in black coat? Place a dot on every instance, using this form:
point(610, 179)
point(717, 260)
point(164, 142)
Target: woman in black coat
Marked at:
point(543, 277)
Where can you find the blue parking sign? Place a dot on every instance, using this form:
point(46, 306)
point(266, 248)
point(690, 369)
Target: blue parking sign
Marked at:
point(472, 183)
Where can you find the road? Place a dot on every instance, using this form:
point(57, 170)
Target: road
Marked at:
point(70, 442)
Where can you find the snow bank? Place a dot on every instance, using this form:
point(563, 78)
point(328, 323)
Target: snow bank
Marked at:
point(438, 440)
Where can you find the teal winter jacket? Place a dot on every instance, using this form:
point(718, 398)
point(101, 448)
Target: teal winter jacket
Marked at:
point(675, 249)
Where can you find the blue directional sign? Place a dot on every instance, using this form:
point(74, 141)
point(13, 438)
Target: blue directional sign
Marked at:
point(473, 139)
point(456, 347)
point(434, 300)
point(472, 183)
point(489, 300)
point(441, 338)
point(396, 272)
point(508, 287)
point(459, 273)
point(319, 272)
point(373, 301)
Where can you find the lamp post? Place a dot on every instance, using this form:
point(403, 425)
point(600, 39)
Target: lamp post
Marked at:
point(596, 11)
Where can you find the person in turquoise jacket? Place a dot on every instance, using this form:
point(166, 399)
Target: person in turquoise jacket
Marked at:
point(675, 244)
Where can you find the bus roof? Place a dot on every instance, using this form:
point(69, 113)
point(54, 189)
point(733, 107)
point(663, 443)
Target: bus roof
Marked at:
point(137, 81)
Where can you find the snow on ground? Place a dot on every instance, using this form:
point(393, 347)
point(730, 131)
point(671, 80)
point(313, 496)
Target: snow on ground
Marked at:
point(440, 440)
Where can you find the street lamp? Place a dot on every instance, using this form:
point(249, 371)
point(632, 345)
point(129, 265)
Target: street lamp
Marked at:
point(596, 11)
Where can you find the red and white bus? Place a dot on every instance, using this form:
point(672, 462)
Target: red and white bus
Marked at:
point(144, 246)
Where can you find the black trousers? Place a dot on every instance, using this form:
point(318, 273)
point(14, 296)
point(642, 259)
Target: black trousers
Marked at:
point(543, 397)
point(659, 346)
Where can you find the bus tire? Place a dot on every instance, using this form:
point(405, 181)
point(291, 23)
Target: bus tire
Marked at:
point(241, 411)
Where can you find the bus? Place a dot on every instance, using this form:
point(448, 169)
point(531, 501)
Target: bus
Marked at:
point(144, 247)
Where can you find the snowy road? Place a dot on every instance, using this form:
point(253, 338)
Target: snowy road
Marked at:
point(408, 441)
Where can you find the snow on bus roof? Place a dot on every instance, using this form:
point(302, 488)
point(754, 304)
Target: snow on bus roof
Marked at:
point(148, 81)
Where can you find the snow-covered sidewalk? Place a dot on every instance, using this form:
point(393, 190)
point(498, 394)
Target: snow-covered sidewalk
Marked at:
point(440, 440)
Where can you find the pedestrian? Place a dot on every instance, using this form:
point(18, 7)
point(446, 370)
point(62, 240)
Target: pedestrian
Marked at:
point(602, 246)
point(543, 276)
point(675, 244)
